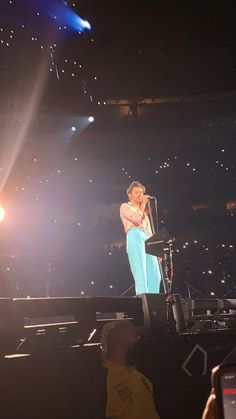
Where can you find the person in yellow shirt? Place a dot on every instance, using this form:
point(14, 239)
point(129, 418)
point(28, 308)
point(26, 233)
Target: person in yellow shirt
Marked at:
point(129, 393)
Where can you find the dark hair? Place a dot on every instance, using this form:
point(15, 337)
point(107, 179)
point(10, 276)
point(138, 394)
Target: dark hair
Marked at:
point(135, 184)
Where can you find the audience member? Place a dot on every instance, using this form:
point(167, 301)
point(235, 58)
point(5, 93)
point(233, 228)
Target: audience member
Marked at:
point(129, 393)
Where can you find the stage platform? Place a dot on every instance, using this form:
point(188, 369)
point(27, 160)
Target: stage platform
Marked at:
point(81, 319)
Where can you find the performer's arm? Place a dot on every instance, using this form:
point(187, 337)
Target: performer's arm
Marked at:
point(135, 217)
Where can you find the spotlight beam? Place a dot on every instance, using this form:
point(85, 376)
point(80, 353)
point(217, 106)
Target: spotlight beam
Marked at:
point(15, 136)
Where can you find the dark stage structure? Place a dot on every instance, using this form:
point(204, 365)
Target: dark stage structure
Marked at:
point(50, 363)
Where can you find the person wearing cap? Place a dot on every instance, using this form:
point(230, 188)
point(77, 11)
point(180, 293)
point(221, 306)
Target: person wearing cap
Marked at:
point(129, 392)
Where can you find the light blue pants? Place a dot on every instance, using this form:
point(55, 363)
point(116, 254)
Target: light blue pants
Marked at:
point(144, 267)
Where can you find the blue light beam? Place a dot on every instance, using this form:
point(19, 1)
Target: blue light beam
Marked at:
point(65, 17)
point(58, 11)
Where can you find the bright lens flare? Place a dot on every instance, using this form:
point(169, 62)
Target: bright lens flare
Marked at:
point(2, 213)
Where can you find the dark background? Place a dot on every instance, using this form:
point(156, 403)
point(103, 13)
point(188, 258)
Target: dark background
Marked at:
point(62, 234)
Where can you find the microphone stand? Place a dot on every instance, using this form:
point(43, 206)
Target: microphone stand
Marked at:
point(165, 271)
point(151, 216)
point(153, 232)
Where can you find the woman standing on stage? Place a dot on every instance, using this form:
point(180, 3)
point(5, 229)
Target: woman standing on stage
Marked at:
point(144, 267)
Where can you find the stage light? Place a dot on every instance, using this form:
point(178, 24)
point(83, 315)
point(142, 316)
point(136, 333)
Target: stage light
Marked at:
point(2, 214)
point(66, 18)
point(86, 24)
point(90, 118)
point(73, 129)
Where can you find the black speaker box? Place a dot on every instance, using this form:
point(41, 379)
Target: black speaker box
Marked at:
point(163, 314)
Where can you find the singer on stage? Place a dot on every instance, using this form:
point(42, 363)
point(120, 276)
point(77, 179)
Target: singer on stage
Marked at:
point(144, 267)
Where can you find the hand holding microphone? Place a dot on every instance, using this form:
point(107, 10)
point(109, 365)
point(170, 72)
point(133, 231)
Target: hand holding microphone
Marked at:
point(145, 200)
